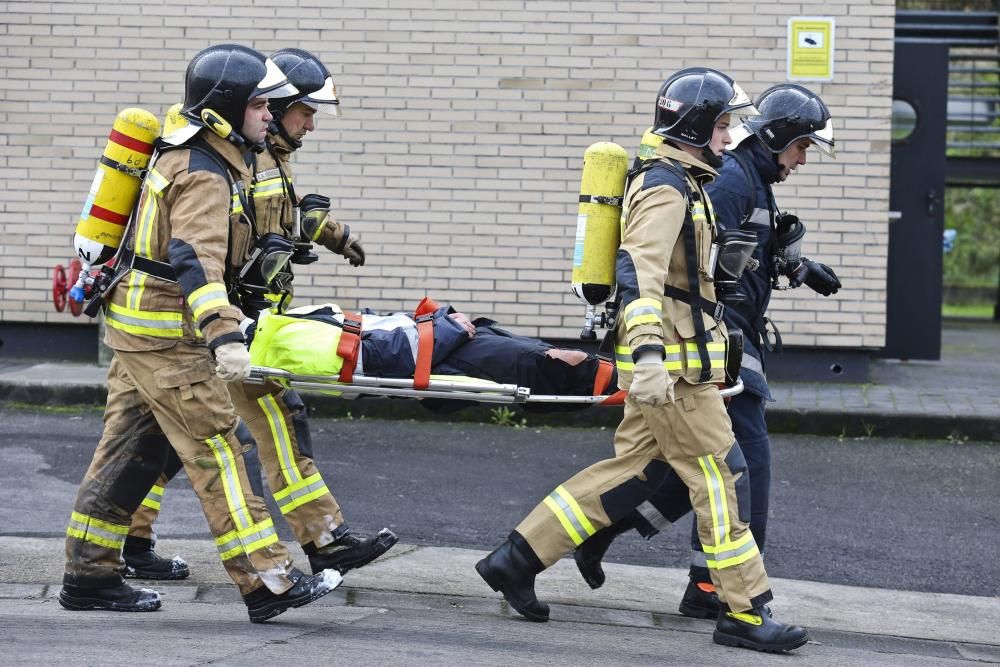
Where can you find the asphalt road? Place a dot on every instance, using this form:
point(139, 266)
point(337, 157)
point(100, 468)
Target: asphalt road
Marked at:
point(901, 514)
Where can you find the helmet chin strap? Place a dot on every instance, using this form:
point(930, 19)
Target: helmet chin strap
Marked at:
point(276, 126)
point(713, 160)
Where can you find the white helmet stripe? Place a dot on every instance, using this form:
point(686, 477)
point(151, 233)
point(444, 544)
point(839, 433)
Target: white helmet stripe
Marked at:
point(275, 83)
point(823, 139)
point(324, 99)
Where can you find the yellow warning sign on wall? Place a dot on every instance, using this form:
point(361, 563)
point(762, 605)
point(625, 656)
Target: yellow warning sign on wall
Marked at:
point(810, 48)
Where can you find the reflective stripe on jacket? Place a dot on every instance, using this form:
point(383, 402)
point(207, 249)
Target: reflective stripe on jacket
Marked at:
point(653, 253)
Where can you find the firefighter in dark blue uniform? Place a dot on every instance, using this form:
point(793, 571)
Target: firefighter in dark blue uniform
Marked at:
point(765, 150)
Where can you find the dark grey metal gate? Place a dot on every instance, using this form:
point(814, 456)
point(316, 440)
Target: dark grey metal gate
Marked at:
point(913, 303)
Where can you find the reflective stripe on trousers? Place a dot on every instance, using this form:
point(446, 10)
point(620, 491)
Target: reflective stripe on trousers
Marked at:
point(99, 532)
point(248, 536)
point(570, 515)
point(154, 497)
point(724, 553)
point(297, 491)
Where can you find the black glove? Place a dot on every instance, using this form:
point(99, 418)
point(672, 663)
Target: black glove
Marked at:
point(819, 277)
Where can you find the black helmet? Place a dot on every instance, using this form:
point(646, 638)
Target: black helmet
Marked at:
point(692, 100)
point(788, 113)
point(220, 82)
point(311, 77)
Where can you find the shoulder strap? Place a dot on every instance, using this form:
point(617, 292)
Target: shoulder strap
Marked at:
point(745, 168)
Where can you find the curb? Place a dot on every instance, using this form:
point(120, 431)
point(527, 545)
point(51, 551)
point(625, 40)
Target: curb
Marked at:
point(780, 420)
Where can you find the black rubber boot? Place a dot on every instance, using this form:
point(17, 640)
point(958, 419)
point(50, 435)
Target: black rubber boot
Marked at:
point(700, 600)
point(757, 630)
point(349, 551)
point(117, 598)
point(588, 556)
point(511, 570)
point(142, 562)
point(262, 604)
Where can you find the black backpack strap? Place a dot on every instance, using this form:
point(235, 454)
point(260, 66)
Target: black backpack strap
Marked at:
point(746, 169)
point(691, 260)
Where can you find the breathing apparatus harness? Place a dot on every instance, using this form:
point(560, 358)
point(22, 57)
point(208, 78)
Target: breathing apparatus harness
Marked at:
point(783, 253)
point(126, 260)
point(692, 295)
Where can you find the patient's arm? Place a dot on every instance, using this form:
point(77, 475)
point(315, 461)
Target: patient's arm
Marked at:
point(462, 318)
point(571, 357)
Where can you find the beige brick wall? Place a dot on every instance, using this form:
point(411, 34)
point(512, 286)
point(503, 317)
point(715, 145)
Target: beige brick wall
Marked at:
point(458, 159)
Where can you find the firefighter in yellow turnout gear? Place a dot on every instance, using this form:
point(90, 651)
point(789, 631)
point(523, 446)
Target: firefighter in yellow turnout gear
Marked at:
point(670, 348)
point(275, 415)
point(177, 340)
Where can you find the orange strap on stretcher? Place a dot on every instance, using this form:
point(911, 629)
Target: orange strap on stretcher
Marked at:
point(424, 317)
point(602, 378)
point(349, 346)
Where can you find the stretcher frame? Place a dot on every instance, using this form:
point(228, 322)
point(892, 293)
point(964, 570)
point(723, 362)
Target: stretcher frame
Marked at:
point(466, 389)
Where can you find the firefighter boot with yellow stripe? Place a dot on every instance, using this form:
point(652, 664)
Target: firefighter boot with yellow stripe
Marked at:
point(349, 551)
point(757, 630)
point(142, 561)
point(511, 570)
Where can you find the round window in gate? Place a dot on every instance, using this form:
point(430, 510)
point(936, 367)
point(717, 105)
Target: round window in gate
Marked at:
point(904, 120)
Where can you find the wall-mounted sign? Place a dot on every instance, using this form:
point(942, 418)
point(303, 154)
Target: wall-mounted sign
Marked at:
point(810, 48)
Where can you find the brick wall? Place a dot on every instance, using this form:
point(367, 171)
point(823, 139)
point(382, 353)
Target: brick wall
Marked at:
point(458, 158)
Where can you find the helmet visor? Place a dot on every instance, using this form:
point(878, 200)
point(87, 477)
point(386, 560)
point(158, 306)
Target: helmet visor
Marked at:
point(274, 83)
point(740, 105)
point(737, 135)
point(325, 99)
point(823, 139)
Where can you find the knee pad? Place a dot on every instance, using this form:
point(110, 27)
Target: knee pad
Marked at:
point(140, 472)
point(173, 465)
point(622, 500)
point(300, 422)
point(738, 468)
point(251, 460)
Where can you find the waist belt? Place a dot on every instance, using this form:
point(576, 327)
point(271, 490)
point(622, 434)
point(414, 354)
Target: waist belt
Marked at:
point(767, 332)
point(716, 309)
point(160, 270)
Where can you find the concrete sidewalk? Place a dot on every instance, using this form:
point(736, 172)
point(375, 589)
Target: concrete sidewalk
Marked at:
point(872, 625)
point(957, 397)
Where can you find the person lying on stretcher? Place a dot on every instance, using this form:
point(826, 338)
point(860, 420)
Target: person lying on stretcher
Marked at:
point(314, 340)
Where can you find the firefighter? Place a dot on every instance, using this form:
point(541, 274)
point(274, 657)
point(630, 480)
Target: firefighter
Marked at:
point(177, 341)
point(277, 416)
point(670, 347)
point(766, 149)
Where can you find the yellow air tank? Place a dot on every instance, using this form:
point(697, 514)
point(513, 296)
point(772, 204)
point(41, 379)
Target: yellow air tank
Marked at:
point(116, 185)
point(650, 142)
point(602, 189)
point(174, 121)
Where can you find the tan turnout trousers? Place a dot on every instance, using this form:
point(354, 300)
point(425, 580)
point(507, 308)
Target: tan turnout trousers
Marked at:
point(276, 418)
point(694, 436)
point(177, 390)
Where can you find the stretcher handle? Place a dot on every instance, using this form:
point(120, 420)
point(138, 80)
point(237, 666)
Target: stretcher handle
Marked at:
point(365, 383)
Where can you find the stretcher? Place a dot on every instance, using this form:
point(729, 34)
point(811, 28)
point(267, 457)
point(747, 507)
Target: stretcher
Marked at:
point(449, 387)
